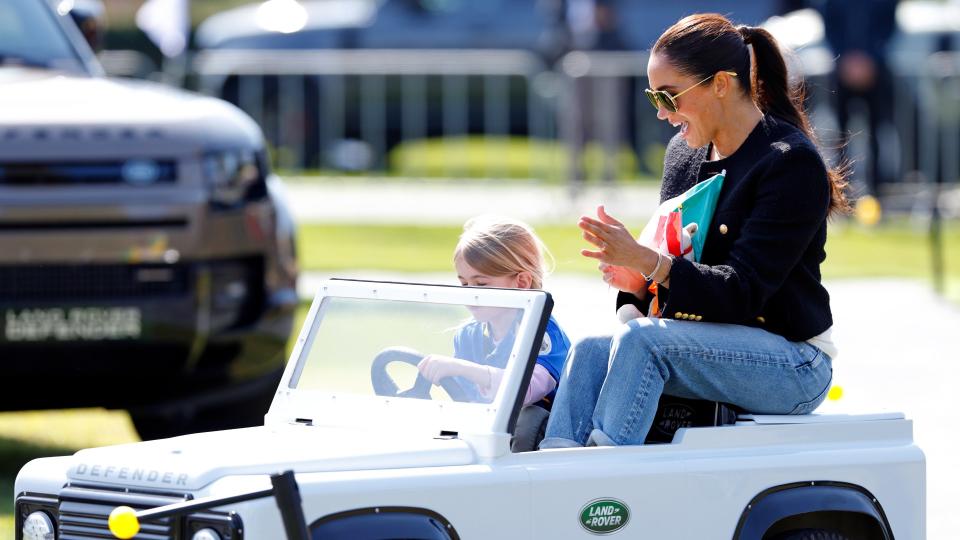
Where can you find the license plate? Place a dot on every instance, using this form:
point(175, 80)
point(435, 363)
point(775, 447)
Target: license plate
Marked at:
point(72, 324)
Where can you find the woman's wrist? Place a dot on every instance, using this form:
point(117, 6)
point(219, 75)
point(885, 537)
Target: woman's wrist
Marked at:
point(651, 275)
point(659, 270)
point(663, 274)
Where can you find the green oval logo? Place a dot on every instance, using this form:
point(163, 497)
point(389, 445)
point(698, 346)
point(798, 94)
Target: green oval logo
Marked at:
point(604, 516)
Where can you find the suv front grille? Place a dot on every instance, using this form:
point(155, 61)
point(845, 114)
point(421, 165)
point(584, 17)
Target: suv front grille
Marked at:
point(68, 282)
point(133, 172)
point(83, 513)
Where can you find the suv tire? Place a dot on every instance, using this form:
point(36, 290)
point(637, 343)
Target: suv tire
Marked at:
point(232, 414)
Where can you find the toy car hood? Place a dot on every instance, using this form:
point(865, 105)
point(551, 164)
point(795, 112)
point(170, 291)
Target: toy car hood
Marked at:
point(192, 462)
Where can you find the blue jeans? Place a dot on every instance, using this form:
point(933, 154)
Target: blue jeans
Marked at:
point(610, 387)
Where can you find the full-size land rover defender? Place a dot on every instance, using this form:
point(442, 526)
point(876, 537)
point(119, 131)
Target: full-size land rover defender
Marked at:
point(143, 239)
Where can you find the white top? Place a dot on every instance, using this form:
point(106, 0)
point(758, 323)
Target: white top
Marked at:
point(824, 342)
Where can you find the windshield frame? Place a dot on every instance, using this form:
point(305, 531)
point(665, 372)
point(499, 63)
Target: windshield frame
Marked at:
point(423, 416)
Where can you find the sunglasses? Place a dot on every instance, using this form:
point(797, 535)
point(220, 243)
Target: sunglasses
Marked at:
point(662, 98)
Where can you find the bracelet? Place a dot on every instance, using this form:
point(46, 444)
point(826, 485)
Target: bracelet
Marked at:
point(655, 268)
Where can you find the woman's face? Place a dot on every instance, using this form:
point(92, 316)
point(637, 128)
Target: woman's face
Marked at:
point(697, 109)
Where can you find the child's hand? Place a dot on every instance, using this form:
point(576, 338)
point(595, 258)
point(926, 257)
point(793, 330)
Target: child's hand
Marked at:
point(624, 279)
point(435, 367)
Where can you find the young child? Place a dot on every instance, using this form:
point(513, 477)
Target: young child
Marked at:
point(498, 252)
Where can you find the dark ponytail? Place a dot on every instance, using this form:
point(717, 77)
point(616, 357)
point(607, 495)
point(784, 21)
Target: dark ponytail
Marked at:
point(703, 44)
point(769, 86)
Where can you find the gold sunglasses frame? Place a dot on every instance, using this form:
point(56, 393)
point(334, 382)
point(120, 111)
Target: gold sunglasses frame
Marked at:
point(663, 98)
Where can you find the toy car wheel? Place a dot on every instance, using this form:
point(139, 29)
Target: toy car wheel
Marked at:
point(812, 534)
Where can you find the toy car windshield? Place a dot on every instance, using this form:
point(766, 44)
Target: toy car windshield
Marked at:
point(356, 361)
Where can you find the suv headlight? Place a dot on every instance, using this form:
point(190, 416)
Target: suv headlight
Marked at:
point(234, 176)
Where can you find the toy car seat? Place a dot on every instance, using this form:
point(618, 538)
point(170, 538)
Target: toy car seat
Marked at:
point(675, 412)
point(672, 414)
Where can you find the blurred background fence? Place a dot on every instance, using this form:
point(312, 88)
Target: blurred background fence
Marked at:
point(455, 113)
point(501, 113)
point(353, 110)
point(540, 89)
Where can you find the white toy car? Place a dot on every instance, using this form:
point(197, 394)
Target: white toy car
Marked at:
point(374, 461)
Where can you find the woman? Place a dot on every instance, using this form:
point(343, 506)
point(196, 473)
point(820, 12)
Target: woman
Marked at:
point(750, 323)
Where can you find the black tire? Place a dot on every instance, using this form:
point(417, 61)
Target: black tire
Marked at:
point(233, 414)
point(811, 534)
point(531, 425)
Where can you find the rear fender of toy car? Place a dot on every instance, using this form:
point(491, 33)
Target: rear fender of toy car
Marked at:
point(829, 506)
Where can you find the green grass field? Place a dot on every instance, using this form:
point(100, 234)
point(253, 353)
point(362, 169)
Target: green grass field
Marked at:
point(891, 250)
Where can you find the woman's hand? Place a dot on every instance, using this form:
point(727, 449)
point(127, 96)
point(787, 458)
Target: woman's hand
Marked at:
point(616, 246)
point(624, 279)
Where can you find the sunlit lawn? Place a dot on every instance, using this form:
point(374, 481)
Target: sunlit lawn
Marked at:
point(898, 249)
point(29, 435)
point(892, 250)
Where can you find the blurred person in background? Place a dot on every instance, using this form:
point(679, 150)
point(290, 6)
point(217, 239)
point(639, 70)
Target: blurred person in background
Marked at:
point(89, 16)
point(858, 32)
point(602, 107)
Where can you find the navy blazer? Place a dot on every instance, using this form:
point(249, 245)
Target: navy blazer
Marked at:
point(760, 264)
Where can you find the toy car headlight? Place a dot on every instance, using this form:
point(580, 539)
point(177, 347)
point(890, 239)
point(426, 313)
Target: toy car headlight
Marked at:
point(206, 534)
point(234, 176)
point(38, 526)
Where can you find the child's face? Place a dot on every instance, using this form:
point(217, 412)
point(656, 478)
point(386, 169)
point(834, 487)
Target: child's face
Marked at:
point(470, 276)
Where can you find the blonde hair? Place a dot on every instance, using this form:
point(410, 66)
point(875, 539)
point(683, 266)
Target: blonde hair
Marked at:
point(499, 246)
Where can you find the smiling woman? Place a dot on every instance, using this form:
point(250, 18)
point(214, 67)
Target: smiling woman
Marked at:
point(749, 323)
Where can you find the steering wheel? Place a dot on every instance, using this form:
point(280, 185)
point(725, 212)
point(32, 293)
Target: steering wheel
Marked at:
point(384, 385)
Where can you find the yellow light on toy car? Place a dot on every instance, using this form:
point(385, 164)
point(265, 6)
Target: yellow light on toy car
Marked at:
point(868, 211)
point(123, 522)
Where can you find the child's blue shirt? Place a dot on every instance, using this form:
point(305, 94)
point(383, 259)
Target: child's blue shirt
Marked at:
point(473, 342)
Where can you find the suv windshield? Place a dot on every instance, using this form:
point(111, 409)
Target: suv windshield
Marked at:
point(31, 36)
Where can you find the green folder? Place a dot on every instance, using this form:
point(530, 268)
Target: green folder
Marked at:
point(696, 205)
